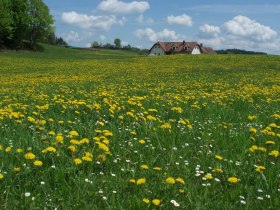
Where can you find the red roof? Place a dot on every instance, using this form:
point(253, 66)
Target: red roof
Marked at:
point(181, 47)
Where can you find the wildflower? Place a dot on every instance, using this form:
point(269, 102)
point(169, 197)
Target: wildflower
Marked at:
point(141, 181)
point(8, 149)
point(208, 176)
point(253, 130)
point(181, 190)
point(157, 168)
point(74, 141)
point(51, 133)
point(19, 150)
point(145, 167)
point(73, 133)
point(270, 142)
point(146, 200)
point(166, 126)
point(103, 147)
point(132, 181)
point(142, 141)
point(59, 138)
point(233, 179)
point(274, 153)
point(78, 161)
point(260, 168)
point(84, 141)
point(72, 148)
point(38, 163)
point(170, 180)
point(180, 180)
point(218, 170)
point(86, 158)
point(51, 149)
point(17, 169)
point(27, 194)
point(156, 202)
point(218, 157)
point(29, 156)
point(1, 176)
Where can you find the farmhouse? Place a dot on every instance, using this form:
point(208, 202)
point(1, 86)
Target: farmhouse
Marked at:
point(166, 48)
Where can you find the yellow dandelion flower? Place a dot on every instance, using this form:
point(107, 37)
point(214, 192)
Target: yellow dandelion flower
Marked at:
point(208, 176)
point(166, 126)
point(132, 181)
point(260, 168)
point(251, 117)
point(218, 157)
point(146, 200)
point(86, 158)
point(274, 153)
point(73, 133)
point(217, 170)
point(103, 147)
point(270, 142)
point(72, 148)
point(180, 180)
point(1, 176)
point(141, 181)
point(120, 117)
point(145, 167)
point(156, 202)
point(142, 141)
point(51, 133)
point(19, 150)
point(181, 190)
point(74, 141)
point(30, 156)
point(253, 130)
point(51, 149)
point(170, 180)
point(8, 149)
point(37, 163)
point(233, 179)
point(78, 161)
point(157, 168)
point(59, 138)
point(17, 169)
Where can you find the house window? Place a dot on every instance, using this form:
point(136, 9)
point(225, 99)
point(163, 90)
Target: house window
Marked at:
point(174, 48)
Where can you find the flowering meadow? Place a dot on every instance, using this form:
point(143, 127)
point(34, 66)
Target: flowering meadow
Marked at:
point(109, 130)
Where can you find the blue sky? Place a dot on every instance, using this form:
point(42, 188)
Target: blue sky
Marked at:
point(221, 24)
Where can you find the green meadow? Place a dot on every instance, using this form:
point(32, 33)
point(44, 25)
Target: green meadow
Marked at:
point(107, 129)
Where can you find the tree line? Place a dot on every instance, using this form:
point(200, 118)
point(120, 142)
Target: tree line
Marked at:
point(24, 23)
point(118, 45)
point(238, 51)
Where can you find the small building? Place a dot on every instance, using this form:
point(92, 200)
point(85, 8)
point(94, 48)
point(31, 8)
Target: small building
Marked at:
point(167, 48)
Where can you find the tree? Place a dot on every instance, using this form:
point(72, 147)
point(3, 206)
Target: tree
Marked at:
point(6, 21)
point(95, 44)
point(40, 22)
point(117, 43)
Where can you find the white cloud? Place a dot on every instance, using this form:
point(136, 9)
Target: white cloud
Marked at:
point(209, 31)
point(141, 19)
point(180, 20)
point(165, 35)
point(247, 28)
point(243, 33)
point(103, 23)
point(120, 7)
point(73, 36)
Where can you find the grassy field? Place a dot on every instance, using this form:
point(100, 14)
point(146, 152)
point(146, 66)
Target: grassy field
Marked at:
point(113, 130)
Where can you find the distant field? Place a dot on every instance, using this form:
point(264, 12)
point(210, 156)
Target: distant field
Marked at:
point(114, 130)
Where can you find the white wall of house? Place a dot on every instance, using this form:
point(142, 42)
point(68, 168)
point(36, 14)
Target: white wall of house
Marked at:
point(196, 51)
point(157, 50)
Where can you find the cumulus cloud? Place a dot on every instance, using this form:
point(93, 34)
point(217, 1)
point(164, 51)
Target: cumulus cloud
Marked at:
point(245, 27)
point(121, 7)
point(180, 20)
point(243, 33)
point(207, 30)
point(73, 36)
point(103, 23)
point(141, 19)
point(165, 35)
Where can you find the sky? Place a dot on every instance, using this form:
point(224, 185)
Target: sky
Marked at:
point(220, 24)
